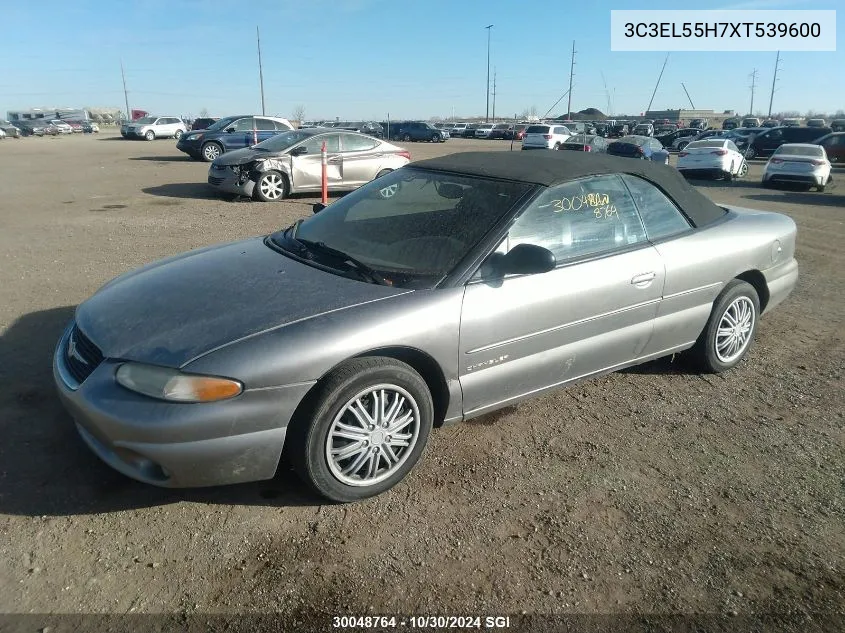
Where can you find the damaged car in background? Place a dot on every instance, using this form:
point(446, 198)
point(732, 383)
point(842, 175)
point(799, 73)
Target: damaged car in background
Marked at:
point(291, 162)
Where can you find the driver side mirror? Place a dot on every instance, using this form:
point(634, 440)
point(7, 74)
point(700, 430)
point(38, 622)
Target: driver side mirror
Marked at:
point(318, 206)
point(527, 259)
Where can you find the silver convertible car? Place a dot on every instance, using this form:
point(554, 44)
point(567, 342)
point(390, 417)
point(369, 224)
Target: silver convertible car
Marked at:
point(291, 162)
point(341, 341)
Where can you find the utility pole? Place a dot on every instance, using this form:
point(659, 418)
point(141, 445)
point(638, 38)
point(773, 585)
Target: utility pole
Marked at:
point(774, 79)
point(487, 113)
point(125, 93)
point(571, 75)
point(494, 93)
point(753, 88)
point(658, 84)
point(260, 69)
point(607, 94)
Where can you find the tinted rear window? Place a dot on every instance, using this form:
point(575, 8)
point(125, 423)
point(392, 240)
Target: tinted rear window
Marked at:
point(815, 152)
point(695, 144)
point(538, 129)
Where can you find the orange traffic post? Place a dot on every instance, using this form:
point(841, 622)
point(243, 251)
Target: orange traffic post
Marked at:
point(325, 160)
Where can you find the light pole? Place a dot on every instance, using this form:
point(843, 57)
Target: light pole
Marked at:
point(487, 114)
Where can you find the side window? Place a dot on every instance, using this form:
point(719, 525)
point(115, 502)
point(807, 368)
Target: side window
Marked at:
point(732, 146)
point(264, 124)
point(774, 135)
point(355, 143)
point(584, 217)
point(243, 125)
point(314, 145)
point(660, 216)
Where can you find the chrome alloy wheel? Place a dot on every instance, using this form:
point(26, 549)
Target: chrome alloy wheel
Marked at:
point(735, 327)
point(272, 186)
point(373, 435)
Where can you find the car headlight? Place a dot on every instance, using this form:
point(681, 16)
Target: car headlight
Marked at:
point(193, 137)
point(175, 386)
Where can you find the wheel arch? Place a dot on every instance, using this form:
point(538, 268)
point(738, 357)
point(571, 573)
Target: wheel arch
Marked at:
point(758, 282)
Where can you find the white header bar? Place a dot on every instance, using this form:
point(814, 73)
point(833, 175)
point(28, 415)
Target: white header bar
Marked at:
point(649, 30)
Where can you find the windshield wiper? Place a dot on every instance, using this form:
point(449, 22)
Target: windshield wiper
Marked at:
point(358, 266)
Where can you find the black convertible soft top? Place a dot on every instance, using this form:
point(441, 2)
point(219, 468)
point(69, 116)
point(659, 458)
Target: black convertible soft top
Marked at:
point(550, 168)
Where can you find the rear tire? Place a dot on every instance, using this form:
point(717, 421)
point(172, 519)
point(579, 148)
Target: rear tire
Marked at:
point(178, 134)
point(750, 153)
point(407, 138)
point(317, 434)
point(820, 188)
point(730, 330)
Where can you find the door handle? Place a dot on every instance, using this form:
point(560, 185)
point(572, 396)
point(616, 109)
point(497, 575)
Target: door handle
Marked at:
point(334, 159)
point(644, 278)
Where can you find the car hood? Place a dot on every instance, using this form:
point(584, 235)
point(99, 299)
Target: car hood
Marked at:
point(243, 156)
point(172, 311)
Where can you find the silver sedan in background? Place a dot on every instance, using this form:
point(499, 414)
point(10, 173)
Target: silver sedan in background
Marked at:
point(291, 162)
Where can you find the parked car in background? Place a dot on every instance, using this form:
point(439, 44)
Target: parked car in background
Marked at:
point(750, 121)
point(62, 126)
point(203, 123)
point(816, 123)
point(51, 130)
point(643, 129)
point(2, 134)
point(9, 130)
point(421, 131)
point(230, 133)
point(585, 143)
point(545, 136)
point(372, 128)
point(642, 147)
point(618, 130)
point(342, 340)
point(701, 124)
point(765, 143)
point(802, 163)
point(89, 127)
point(152, 127)
point(469, 130)
point(770, 123)
point(837, 125)
point(484, 130)
point(291, 162)
point(517, 132)
point(500, 130)
point(718, 157)
point(834, 147)
point(730, 124)
point(791, 122)
point(458, 129)
point(75, 126)
point(678, 139)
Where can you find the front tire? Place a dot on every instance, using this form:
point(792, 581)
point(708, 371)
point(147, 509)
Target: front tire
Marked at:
point(366, 429)
point(271, 186)
point(743, 170)
point(210, 151)
point(750, 153)
point(729, 332)
point(178, 134)
point(150, 135)
point(407, 138)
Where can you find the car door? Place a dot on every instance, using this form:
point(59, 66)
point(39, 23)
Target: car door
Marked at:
point(306, 167)
point(834, 145)
point(768, 142)
point(360, 159)
point(593, 312)
point(238, 134)
point(690, 284)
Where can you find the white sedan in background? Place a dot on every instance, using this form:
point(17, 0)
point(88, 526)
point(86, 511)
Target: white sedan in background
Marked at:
point(715, 156)
point(798, 162)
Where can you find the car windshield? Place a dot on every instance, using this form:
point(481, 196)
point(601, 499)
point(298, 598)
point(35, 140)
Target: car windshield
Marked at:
point(283, 141)
point(411, 226)
point(145, 120)
point(786, 150)
point(222, 123)
point(704, 144)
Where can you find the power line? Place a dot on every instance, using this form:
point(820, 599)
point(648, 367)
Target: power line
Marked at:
point(260, 69)
point(688, 97)
point(487, 112)
point(494, 93)
point(125, 93)
point(658, 83)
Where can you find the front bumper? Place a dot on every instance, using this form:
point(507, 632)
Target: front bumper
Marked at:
point(228, 181)
point(178, 445)
point(191, 147)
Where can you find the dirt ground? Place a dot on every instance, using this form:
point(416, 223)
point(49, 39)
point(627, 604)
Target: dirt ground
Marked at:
point(650, 491)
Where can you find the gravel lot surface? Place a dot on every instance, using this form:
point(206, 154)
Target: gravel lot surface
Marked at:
point(650, 491)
